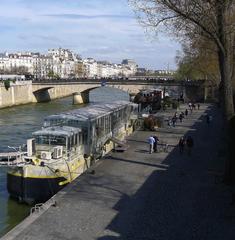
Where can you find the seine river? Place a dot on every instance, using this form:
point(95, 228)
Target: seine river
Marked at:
point(16, 125)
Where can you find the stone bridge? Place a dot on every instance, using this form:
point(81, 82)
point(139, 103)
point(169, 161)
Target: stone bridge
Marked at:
point(48, 91)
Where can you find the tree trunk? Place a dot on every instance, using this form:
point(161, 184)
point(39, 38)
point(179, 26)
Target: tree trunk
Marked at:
point(228, 110)
point(225, 66)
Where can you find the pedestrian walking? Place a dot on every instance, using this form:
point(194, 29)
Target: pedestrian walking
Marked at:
point(180, 117)
point(208, 119)
point(176, 116)
point(198, 106)
point(169, 122)
point(151, 142)
point(173, 121)
point(155, 143)
point(181, 144)
point(189, 143)
point(190, 106)
point(193, 106)
point(186, 112)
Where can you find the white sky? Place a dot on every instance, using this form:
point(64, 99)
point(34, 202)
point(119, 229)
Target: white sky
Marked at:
point(102, 29)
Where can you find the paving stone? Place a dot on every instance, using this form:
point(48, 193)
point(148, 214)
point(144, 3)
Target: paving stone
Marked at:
point(142, 196)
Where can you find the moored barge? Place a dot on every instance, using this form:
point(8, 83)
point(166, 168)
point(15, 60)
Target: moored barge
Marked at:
point(67, 145)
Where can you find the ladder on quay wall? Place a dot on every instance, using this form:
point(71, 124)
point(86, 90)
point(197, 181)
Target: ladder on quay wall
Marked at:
point(9, 159)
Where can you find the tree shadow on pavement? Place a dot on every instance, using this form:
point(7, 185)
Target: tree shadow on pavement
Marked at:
point(181, 201)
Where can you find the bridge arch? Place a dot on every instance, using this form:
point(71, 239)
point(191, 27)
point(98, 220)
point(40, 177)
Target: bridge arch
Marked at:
point(106, 92)
point(42, 94)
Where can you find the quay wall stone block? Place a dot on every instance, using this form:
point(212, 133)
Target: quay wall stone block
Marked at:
point(15, 95)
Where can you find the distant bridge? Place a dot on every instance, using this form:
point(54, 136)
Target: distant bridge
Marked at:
point(136, 79)
point(47, 90)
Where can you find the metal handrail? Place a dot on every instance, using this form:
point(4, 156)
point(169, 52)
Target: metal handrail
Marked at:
point(42, 206)
point(8, 161)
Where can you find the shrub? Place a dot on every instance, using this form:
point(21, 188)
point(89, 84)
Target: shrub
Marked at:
point(175, 104)
point(7, 84)
point(149, 123)
point(167, 101)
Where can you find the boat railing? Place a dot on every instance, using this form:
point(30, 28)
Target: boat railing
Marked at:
point(72, 156)
point(10, 159)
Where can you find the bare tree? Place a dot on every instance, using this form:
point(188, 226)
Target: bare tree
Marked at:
point(211, 19)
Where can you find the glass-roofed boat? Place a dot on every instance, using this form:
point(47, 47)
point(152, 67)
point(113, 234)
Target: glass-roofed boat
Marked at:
point(66, 146)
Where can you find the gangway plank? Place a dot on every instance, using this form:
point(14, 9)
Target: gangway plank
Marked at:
point(121, 145)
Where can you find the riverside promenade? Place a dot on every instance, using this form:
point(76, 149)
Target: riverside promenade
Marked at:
point(142, 196)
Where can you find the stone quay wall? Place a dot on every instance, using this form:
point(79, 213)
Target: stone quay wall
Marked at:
point(17, 94)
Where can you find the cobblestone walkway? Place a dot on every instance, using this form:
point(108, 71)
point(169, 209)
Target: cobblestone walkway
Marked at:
point(142, 196)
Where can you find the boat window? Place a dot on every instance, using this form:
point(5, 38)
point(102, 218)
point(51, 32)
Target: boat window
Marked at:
point(80, 139)
point(46, 123)
point(69, 143)
point(72, 123)
point(101, 125)
point(51, 140)
point(75, 139)
point(84, 137)
point(107, 125)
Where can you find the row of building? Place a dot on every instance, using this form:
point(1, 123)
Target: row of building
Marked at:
point(63, 63)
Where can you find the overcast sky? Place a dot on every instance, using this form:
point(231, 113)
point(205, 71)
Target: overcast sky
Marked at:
point(102, 29)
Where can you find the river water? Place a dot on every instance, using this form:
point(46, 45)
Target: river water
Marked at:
point(16, 125)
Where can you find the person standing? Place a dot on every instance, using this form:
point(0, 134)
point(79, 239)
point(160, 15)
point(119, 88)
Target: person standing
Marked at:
point(208, 119)
point(181, 144)
point(189, 143)
point(155, 143)
point(169, 122)
point(173, 121)
point(198, 106)
point(190, 106)
point(186, 112)
point(151, 142)
point(193, 106)
point(181, 117)
point(176, 116)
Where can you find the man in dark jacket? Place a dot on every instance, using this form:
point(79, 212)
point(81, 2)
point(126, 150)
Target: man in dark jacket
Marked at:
point(189, 143)
point(155, 143)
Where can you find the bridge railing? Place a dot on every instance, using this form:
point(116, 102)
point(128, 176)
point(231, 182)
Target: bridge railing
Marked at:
point(119, 81)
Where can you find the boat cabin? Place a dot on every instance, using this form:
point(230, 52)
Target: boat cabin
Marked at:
point(97, 122)
point(59, 138)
